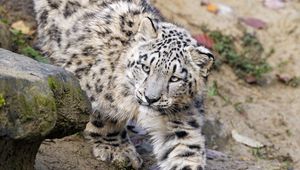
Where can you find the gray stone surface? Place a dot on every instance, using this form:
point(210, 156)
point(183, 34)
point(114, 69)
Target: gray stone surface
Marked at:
point(37, 101)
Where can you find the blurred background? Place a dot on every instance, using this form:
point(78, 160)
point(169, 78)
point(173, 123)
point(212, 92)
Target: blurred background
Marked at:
point(253, 94)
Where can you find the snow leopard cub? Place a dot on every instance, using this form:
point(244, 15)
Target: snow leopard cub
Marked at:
point(132, 65)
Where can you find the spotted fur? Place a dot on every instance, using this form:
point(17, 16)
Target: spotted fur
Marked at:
point(132, 65)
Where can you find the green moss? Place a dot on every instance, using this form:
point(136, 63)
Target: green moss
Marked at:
point(25, 109)
point(53, 83)
point(2, 100)
point(29, 110)
point(72, 106)
point(40, 107)
point(38, 112)
point(64, 91)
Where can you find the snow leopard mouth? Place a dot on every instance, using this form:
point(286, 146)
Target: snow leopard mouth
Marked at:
point(162, 109)
point(154, 106)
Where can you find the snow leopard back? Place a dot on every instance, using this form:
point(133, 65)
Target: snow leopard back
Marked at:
point(62, 23)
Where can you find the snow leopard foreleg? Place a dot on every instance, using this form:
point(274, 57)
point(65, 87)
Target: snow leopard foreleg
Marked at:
point(111, 142)
point(179, 144)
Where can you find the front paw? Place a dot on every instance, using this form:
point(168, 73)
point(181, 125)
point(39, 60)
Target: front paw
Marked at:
point(194, 166)
point(122, 155)
point(184, 163)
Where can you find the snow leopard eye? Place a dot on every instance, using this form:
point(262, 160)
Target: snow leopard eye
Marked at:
point(146, 69)
point(174, 79)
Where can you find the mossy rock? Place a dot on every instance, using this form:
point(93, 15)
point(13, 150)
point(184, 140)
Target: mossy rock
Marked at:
point(37, 101)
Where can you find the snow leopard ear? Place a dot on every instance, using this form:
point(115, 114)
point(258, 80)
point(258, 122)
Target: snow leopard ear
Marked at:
point(147, 29)
point(202, 58)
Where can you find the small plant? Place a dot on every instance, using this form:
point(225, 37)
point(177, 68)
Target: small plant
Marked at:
point(4, 21)
point(30, 52)
point(3, 16)
point(245, 62)
point(264, 153)
point(258, 153)
point(239, 108)
point(288, 80)
point(252, 47)
point(213, 90)
point(294, 82)
point(21, 45)
point(287, 165)
point(267, 153)
point(288, 132)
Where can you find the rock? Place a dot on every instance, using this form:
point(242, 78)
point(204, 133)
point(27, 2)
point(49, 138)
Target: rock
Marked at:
point(215, 135)
point(5, 40)
point(37, 101)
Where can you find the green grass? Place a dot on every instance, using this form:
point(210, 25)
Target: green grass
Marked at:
point(246, 60)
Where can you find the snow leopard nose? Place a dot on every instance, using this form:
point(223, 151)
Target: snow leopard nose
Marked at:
point(152, 99)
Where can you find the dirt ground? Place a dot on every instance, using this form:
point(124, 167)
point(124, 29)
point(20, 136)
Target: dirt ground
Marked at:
point(73, 153)
point(270, 111)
